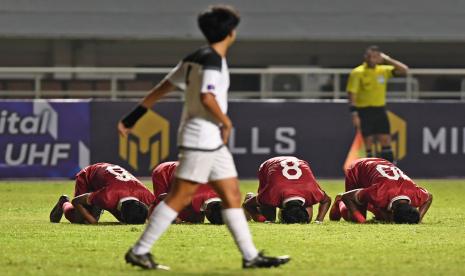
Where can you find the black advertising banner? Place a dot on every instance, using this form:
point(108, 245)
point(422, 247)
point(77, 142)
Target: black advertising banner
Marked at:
point(428, 138)
point(318, 133)
point(57, 138)
point(435, 144)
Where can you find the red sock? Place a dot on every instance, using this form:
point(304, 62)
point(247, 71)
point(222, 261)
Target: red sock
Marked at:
point(261, 218)
point(69, 211)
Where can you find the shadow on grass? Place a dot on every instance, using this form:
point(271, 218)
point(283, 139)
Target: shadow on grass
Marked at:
point(105, 223)
point(111, 223)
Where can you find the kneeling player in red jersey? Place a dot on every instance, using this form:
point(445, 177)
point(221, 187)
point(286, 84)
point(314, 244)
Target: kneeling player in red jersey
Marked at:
point(105, 186)
point(205, 202)
point(378, 186)
point(287, 183)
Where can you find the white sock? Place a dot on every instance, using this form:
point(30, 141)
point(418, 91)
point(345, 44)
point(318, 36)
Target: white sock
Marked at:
point(234, 218)
point(159, 221)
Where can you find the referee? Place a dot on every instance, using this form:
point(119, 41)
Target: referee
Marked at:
point(367, 98)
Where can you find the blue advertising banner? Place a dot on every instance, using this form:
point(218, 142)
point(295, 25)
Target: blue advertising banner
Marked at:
point(43, 138)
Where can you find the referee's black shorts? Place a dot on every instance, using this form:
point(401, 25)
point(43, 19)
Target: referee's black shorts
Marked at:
point(373, 120)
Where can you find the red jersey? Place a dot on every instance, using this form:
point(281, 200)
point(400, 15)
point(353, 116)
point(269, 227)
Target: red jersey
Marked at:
point(284, 178)
point(162, 179)
point(203, 195)
point(94, 177)
point(382, 183)
point(120, 184)
point(363, 173)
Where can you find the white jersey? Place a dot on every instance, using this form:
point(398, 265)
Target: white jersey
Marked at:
point(204, 71)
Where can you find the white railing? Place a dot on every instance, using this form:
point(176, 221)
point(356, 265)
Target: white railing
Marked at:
point(273, 82)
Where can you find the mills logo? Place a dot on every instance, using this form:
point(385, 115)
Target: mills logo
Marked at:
point(150, 136)
point(398, 143)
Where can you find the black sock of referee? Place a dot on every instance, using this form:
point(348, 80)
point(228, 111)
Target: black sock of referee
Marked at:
point(386, 153)
point(369, 153)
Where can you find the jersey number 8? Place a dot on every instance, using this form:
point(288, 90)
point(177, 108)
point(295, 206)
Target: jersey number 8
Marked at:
point(294, 167)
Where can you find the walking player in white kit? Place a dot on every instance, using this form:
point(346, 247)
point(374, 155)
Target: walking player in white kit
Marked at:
point(203, 133)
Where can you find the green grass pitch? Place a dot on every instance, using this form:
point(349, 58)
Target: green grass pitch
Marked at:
point(30, 245)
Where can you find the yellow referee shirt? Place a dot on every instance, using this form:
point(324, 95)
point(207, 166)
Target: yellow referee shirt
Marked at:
point(369, 84)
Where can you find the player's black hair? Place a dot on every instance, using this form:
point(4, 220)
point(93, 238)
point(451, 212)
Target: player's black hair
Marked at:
point(404, 213)
point(213, 213)
point(217, 22)
point(133, 212)
point(294, 212)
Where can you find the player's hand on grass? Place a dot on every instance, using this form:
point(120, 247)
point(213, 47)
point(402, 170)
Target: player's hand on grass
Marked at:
point(124, 131)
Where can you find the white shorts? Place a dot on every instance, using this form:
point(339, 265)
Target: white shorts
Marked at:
point(204, 166)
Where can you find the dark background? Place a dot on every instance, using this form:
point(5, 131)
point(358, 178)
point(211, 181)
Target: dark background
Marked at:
point(323, 134)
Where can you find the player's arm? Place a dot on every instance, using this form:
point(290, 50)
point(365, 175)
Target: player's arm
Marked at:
point(189, 216)
point(198, 218)
point(352, 203)
point(252, 209)
point(79, 203)
point(309, 210)
point(353, 85)
point(351, 99)
point(161, 89)
point(353, 111)
point(424, 208)
point(384, 215)
point(209, 102)
point(323, 208)
point(400, 69)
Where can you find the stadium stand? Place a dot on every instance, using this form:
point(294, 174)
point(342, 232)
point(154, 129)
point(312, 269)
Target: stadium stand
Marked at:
point(306, 34)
